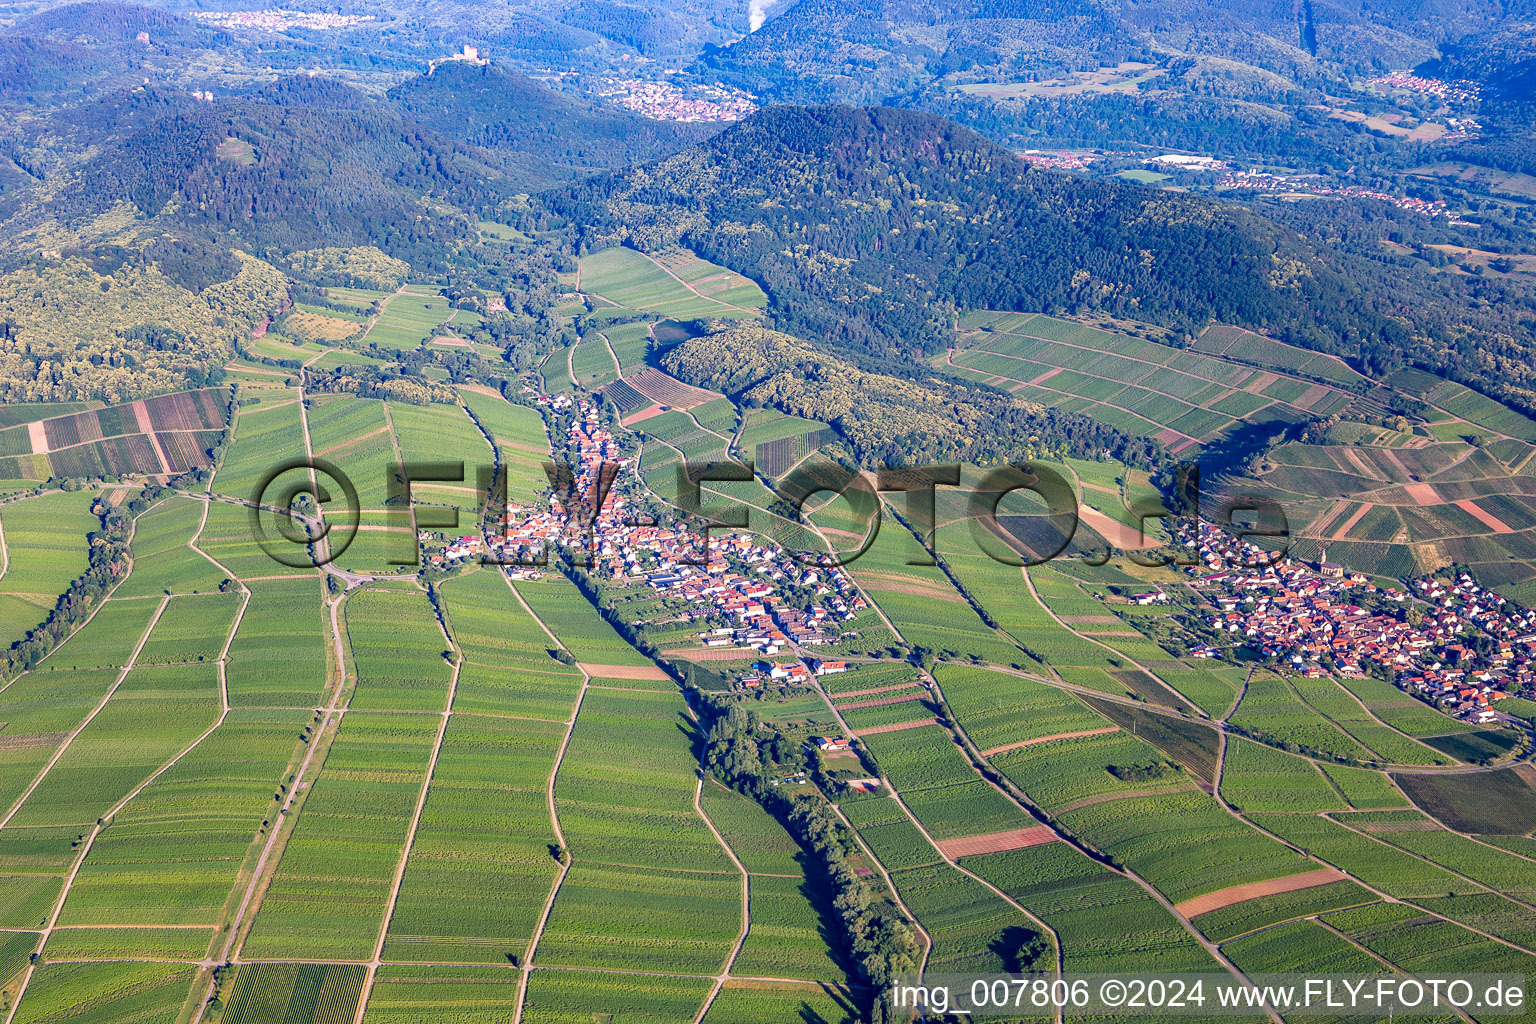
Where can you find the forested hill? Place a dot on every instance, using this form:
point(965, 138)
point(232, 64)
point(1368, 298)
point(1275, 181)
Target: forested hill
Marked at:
point(891, 420)
point(304, 162)
point(105, 24)
point(63, 51)
point(882, 223)
point(543, 137)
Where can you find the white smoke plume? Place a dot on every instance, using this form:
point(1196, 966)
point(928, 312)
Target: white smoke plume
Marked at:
point(757, 13)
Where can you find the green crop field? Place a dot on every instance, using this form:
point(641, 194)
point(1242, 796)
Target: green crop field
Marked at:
point(759, 842)
point(560, 606)
point(354, 434)
point(314, 993)
point(625, 789)
point(229, 536)
point(1183, 843)
point(281, 647)
point(519, 434)
point(973, 929)
point(425, 995)
point(409, 318)
point(1060, 773)
point(164, 558)
point(1260, 778)
point(1374, 862)
point(267, 434)
point(582, 997)
point(1265, 911)
point(940, 786)
point(998, 710)
point(443, 434)
point(151, 717)
point(1272, 707)
point(398, 649)
point(45, 549)
point(105, 993)
point(642, 919)
point(672, 284)
point(767, 1003)
point(172, 854)
point(1106, 921)
point(892, 836)
point(508, 665)
point(328, 896)
point(192, 630)
point(480, 867)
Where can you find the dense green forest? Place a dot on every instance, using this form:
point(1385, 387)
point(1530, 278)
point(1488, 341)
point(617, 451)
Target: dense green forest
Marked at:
point(540, 136)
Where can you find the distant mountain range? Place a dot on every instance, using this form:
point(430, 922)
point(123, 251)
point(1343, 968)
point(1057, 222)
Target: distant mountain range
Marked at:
point(873, 50)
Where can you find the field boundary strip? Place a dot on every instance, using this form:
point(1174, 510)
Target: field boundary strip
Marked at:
point(997, 842)
point(895, 727)
point(1253, 890)
point(1081, 734)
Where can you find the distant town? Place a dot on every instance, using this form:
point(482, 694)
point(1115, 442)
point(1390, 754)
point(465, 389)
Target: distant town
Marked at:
point(1448, 641)
point(1455, 91)
point(1312, 185)
point(280, 19)
point(666, 101)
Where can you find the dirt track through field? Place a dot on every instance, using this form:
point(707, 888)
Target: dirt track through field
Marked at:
point(998, 842)
point(1253, 890)
point(1046, 739)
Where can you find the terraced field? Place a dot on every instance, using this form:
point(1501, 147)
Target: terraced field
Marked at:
point(1183, 399)
point(674, 284)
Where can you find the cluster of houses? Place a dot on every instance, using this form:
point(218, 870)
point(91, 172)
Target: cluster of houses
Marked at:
point(665, 101)
point(773, 602)
point(1311, 616)
point(769, 600)
point(789, 673)
point(1457, 91)
point(1313, 185)
point(575, 518)
point(280, 19)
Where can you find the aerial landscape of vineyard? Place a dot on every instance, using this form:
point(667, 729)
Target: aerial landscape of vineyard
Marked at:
point(712, 513)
